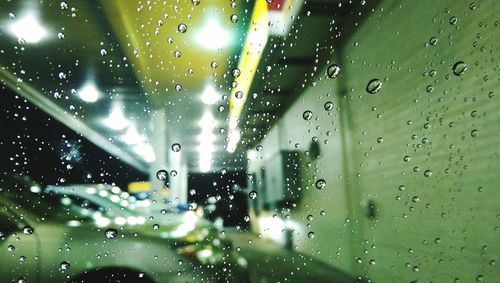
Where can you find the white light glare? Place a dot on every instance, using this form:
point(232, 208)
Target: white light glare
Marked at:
point(213, 36)
point(234, 138)
point(146, 151)
point(116, 119)
point(132, 137)
point(28, 28)
point(89, 92)
point(209, 96)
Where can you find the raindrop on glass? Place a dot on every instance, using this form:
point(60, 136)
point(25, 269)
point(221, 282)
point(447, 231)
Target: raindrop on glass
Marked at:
point(28, 230)
point(328, 106)
point(252, 195)
point(333, 71)
point(307, 115)
point(195, 2)
point(236, 72)
point(238, 94)
point(182, 28)
point(234, 18)
point(110, 233)
point(161, 175)
point(64, 265)
point(311, 235)
point(374, 86)
point(320, 184)
point(214, 64)
point(433, 41)
point(176, 147)
point(459, 68)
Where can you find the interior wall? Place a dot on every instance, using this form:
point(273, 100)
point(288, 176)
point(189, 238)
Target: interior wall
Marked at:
point(423, 149)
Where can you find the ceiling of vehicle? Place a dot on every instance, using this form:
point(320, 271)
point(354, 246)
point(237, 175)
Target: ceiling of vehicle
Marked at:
point(103, 67)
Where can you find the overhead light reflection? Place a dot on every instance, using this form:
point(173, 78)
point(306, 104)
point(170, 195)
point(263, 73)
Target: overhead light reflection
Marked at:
point(116, 119)
point(213, 36)
point(209, 96)
point(89, 92)
point(234, 138)
point(146, 151)
point(28, 28)
point(132, 136)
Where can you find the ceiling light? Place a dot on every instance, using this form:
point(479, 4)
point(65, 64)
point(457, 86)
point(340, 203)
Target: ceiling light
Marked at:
point(234, 137)
point(132, 137)
point(209, 95)
point(207, 121)
point(116, 119)
point(89, 92)
point(213, 36)
point(28, 29)
point(145, 151)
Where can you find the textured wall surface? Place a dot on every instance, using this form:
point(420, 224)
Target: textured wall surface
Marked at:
point(424, 148)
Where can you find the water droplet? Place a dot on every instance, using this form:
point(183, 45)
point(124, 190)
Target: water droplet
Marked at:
point(64, 5)
point(176, 147)
point(156, 226)
point(246, 218)
point(221, 108)
point(333, 71)
point(161, 175)
point(252, 195)
point(320, 184)
point(173, 173)
point(195, 2)
point(406, 158)
point(178, 87)
point(28, 230)
point(374, 86)
point(328, 106)
point(214, 64)
point(182, 28)
point(236, 72)
point(11, 248)
point(322, 213)
point(311, 235)
point(177, 54)
point(238, 94)
point(459, 68)
point(307, 115)
point(110, 233)
point(103, 52)
point(372, 262)
point(433, 41)
point(64, 265)
point(453, 20)
point(309, 217)
point(234, 18)
point(380, 140)
point(427, 173)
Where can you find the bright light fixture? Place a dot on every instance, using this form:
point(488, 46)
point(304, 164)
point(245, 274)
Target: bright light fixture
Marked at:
point(28, 28)
point(213, 36)
point(89, 92)
point(132, 137)
point(116, 119)
point(234, 138)
point(209, 96)
point(146, 151)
